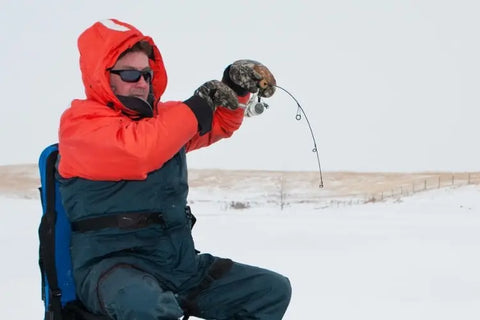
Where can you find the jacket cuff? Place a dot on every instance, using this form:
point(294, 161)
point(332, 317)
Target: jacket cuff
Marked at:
point(202, 111)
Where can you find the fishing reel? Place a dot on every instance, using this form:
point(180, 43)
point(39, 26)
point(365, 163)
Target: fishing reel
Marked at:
point(255, 106)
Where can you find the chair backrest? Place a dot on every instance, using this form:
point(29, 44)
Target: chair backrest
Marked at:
point(58, 287)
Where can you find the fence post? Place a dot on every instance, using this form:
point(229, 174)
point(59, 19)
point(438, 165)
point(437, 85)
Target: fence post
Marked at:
point(468, 179)
point(453, 179)
point(282, 191)
point(439, 182)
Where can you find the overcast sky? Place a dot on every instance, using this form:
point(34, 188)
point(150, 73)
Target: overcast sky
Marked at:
point(388, 85)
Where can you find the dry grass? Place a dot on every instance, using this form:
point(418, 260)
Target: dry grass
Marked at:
point(337, 185)
point(23, 181)
point(20, 180)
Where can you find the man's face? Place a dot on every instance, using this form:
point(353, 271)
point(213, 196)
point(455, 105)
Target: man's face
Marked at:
point(131, 61)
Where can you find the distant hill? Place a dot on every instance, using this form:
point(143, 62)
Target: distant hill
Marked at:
point(20, 180)
point(248, 187)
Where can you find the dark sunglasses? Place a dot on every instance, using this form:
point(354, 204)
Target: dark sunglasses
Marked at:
point(133, 75)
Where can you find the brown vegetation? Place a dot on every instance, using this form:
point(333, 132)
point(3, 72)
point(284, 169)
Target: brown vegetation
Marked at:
point(23, 181)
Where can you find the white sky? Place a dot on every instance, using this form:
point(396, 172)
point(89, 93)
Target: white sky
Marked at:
point(388, 85)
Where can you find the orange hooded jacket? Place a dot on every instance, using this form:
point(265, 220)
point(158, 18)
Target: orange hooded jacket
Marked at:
point(99, 138)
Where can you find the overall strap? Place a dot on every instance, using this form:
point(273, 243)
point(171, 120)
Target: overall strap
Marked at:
point(126, 221)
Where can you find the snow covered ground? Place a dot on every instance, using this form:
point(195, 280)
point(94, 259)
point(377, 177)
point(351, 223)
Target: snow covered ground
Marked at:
point(417, 258)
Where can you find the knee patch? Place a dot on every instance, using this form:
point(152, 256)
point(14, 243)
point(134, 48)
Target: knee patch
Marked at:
point(128, 293)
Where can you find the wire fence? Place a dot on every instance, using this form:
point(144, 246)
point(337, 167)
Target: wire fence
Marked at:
point(386, 187)
point(421, 185)
point(287, 190)
point(249, 189)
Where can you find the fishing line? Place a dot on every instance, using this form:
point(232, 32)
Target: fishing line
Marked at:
point(298, 117)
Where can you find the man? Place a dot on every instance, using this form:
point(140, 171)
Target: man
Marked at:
point(123, 182)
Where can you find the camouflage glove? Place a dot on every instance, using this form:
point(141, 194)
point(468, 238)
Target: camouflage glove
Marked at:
point(245, 76)
point(216, 94)
point(206, 99)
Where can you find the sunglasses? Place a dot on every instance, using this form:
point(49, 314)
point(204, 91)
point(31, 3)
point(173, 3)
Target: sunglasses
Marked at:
point(133, 75)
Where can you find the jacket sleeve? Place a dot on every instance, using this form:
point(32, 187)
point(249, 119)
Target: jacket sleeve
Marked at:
point(98, 143)
point(225, 123)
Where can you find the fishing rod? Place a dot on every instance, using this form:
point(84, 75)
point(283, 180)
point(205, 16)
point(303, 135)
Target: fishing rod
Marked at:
point(257, 107)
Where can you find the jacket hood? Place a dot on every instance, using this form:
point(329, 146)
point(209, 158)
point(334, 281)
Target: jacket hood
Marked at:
point(100, 46)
